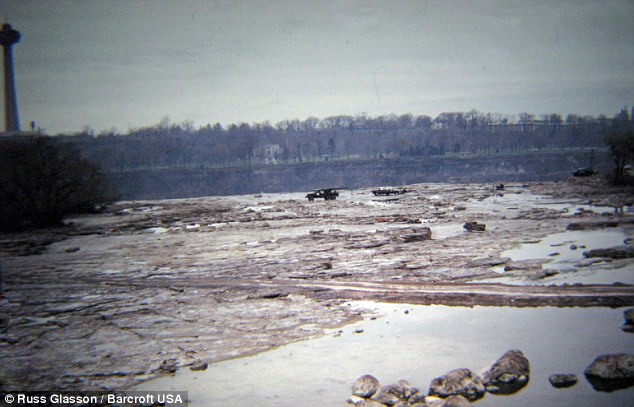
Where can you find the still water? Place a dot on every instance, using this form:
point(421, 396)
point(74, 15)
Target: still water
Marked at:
point(563, 253)
point(417, 346)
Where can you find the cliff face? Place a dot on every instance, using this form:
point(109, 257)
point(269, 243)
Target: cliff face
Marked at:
point(181, 183)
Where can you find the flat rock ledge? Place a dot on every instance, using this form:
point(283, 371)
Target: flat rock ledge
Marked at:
point(618, 252)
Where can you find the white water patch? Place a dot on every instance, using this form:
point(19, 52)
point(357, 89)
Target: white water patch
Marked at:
point(417, 346)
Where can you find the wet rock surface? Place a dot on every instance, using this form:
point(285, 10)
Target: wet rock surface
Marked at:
point(474, 227)
point(628, 326)
point(451, 401)
point(462, 382)
point(620, 252)
point(372, 394)
point(508, 374)
point(562, 380)
point(611, 372)
point(152, 286)
point(457, 387)
point(366, 386)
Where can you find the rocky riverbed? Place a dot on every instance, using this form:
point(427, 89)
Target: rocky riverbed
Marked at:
point(149, 287)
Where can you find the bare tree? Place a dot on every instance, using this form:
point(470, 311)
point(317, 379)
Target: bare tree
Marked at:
point(42, 181)
point(622, 148)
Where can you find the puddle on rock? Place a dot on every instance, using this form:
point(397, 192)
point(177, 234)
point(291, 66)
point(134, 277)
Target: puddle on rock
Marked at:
point(515, 199)
point(564, 252)
point(417, 346)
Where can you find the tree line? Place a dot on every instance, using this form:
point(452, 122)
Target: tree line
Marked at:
point(44, 179)
point(168, 145)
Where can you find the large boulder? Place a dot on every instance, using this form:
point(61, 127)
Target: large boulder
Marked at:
point(628, 314)
point(611, 372)
point(458, 382)
point(396, 394)
point(366, 386)
point(508, 374)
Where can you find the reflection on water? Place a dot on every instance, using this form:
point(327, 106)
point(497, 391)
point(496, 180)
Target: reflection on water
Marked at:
point(564, 252)
point(567, 247)
point(417, 346)
point(520, 198)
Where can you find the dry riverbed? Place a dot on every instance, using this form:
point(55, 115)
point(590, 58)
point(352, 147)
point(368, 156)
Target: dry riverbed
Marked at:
point(149, 287)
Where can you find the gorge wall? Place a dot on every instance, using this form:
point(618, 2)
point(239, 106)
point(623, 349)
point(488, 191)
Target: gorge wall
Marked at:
point(307, 176)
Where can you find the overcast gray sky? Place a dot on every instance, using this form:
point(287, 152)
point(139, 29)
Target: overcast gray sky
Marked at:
point(128, 64)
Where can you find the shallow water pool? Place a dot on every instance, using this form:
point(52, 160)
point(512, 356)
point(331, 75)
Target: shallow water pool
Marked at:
point(563, 252)
point(417, 346)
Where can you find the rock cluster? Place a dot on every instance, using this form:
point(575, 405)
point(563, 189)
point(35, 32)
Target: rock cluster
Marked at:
point(368, 392)
point(507, 375)
point(454, 389)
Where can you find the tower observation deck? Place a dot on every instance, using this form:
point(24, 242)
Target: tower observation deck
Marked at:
point(8, 37)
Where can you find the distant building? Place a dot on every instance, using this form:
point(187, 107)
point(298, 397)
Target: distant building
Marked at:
point(271, 153)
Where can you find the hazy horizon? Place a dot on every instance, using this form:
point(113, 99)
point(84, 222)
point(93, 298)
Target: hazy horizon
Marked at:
point(130, 64)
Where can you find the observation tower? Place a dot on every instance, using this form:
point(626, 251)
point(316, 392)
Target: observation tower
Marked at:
point(8, 37)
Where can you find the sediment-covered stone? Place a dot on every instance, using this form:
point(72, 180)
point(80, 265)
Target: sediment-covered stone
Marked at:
point(618, 252)
point(458, 382)
point(508, 374)
point(612, 366)
point(365, 403)
point(366, 386)
point(394, 394)
point(199, 365)
point(611, 372)
point(628, 326)
point(562, 380)
point(417, 234)
point(474, 227)
point(451, 401)
point(591, 225)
